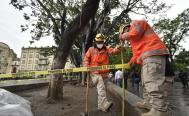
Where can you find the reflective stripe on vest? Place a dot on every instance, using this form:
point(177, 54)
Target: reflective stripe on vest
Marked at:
point(153, 52)
point(138, 28)
point(148, 32)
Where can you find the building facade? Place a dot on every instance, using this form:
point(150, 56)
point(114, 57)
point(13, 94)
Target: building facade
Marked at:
point(32, 58)
point(7, 56)
point(15, 65)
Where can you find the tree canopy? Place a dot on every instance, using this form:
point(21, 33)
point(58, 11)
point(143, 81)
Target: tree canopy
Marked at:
point(174, 31)
point(51, 17)
point(182, 60)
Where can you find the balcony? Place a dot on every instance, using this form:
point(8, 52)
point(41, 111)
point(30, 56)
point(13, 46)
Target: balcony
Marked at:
point(43, 58)
point(43, 62)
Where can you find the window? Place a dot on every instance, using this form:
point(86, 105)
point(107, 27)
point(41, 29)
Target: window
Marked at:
point(23, 61)
point(30, 56)
point(36, 67)
point(36, 61)
point(37, 56)
point(24, 51)
point(29, 67)
point(23, 67)
point(31, 51)
point(23, 55)
point(41, 56)
point(30, 62)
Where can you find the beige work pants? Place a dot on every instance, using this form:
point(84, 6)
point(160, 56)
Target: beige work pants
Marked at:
point(153, 80)
point(101, 89)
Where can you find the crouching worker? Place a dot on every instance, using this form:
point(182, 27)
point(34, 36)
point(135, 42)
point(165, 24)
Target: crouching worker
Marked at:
point(98, 55)
point(151, 53)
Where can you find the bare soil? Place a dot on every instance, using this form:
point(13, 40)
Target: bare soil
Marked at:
point(71, 105)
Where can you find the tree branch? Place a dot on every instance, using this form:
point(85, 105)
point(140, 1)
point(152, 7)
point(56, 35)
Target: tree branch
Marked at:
point(130, 5)
point(72, 31)
point(103, 15)
point(52, 19)
point(139, 13)
point(63, 21)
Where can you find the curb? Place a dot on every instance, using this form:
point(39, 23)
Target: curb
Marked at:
point(21, 85)
point(130, 99)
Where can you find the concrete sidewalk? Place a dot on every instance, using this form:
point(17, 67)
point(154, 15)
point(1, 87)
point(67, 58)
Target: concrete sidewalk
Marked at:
point(18, 82)
point(20, 85)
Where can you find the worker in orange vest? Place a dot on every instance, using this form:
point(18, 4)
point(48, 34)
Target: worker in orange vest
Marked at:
point(150, 52)
point(98, 55)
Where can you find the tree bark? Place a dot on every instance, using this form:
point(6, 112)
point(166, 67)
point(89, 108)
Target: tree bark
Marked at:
point(55, 90)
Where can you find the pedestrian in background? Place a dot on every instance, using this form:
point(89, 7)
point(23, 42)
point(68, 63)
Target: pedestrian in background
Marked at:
point(183, 78)
point(126, 76)
point(111, 77)
point(118, 78)
point(137, 81)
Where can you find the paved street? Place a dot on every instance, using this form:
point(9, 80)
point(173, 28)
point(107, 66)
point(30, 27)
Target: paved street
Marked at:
point(179, 99)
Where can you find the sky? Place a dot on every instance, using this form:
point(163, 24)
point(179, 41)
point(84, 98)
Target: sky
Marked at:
point(10, 31)
point(11, 19)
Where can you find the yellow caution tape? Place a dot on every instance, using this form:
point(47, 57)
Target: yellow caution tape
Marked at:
point(61, 71)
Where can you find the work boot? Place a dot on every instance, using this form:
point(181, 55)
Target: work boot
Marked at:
point(105, 107)
point(154, 112)
point(143, 105)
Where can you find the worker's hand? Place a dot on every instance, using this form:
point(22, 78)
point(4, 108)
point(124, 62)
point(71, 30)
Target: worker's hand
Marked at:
point(120, 47)
point(122, 37)
point(131, 64)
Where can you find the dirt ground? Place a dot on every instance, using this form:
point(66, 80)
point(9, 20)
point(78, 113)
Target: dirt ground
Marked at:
point(72, 104)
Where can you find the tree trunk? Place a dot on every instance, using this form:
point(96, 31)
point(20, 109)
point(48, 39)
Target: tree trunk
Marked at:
point(83, 73)
point(55, 90)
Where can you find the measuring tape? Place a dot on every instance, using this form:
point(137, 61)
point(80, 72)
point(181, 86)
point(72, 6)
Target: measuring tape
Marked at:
point(61, 71)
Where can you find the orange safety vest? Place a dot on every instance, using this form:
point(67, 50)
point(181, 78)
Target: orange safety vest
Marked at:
point(95, 57)
point(144, 42)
